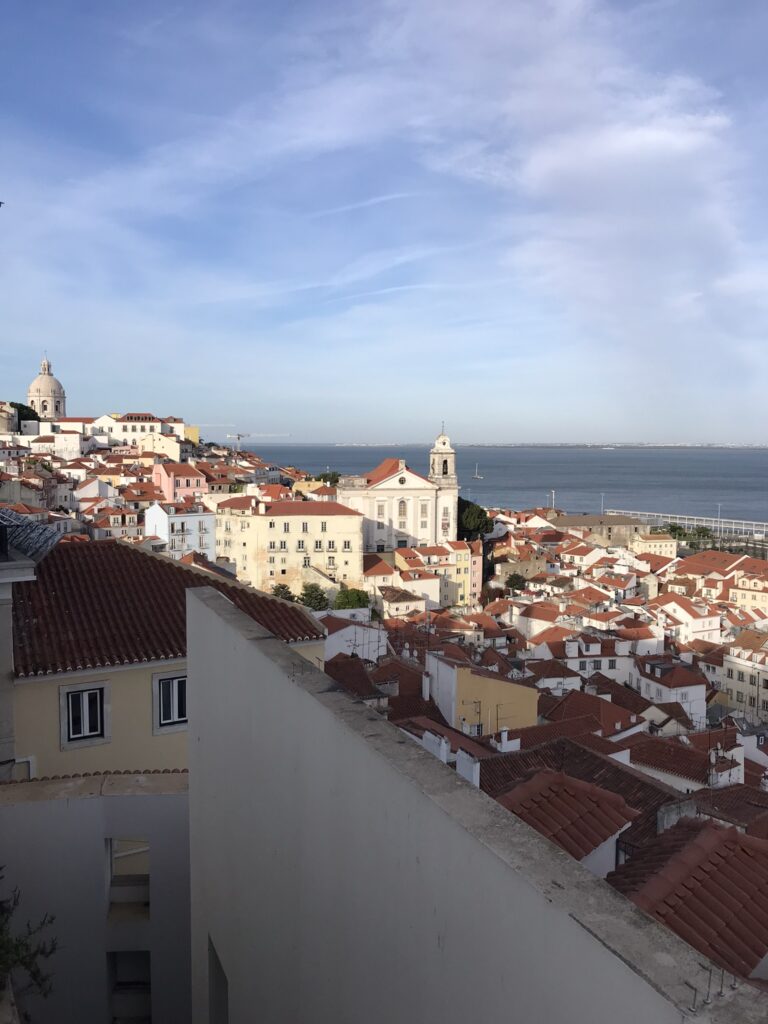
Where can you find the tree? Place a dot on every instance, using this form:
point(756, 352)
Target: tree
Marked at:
point(25, 950)
point(473, 520)
point(515, 581)
point(283, 591)
point(24, 411)
point(351, 598)
point(313, 596)
point(675, 530)
point(331, 477)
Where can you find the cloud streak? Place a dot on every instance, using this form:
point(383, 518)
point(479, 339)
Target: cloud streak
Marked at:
point(506, 187)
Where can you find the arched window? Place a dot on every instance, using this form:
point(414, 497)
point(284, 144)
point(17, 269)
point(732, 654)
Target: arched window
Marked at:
point(45, 407)
point(445, 467)
point(32, 403)
point(402, 509)
point(58, 407)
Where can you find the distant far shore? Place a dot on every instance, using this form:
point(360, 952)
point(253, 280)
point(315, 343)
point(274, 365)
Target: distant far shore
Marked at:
point(604, 445)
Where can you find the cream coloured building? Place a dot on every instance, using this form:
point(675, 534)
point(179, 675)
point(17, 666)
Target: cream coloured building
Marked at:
point(290, 542)
point(654, 544)
point(99, 658)
point(402, 508)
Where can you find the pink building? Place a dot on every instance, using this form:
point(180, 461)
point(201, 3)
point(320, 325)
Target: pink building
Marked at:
point(179, 480)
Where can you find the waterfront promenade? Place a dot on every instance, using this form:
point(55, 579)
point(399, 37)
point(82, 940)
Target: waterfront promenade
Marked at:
point(720, 526)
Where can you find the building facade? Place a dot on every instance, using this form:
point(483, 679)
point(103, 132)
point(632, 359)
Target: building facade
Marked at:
point(290, 542)
point(185, 526)
point(402, 508)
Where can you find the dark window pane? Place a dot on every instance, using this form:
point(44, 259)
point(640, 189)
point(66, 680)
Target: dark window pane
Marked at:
point(182, 698)
point(166, 713)
point(94, 712)
point(75, 715)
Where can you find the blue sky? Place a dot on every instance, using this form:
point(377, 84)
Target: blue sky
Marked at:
point(536, 220)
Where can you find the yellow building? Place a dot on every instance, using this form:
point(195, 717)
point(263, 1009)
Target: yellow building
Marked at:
point(100, 673)
point(477, 701)
point(291, 542)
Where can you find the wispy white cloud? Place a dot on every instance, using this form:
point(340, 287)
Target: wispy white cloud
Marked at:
point(532, 189)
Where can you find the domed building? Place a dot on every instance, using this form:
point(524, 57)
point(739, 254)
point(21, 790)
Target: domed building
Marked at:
point(46, 394)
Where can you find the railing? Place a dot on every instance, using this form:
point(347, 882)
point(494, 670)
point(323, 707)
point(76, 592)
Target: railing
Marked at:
point(719, 525)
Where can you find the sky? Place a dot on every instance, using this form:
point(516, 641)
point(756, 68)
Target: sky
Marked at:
point(537, 220)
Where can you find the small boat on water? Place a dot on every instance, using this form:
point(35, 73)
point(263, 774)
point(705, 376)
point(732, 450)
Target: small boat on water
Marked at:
point(477, 473)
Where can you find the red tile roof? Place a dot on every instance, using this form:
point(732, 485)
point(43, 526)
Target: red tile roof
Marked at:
point(613, 719)
point(709, 885)
point(351, 674)
point(576, 815)
point(499, 774)
point(105, 603)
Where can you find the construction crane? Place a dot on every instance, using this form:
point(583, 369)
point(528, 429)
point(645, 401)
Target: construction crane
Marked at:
point(238, 438)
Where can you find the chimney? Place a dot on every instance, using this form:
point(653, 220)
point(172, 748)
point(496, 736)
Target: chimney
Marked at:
point(504, 737)
point(425, 686)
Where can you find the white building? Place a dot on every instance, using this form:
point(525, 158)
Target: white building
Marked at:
point(46, 394)
point(185, 526)
point(402, 508)
point(354, 877)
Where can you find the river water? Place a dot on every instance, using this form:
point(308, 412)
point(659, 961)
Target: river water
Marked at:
point(677, 480)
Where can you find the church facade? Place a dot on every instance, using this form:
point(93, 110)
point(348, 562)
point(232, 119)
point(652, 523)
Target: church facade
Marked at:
point(46, 394)
point(400, 507)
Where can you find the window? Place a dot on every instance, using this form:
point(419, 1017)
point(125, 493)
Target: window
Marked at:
point(271, 560)
point(323, 526)
point(283, 545)
point(306, 561)
point(611, 663)
point(318, 545)
point(424, 510)
point(286, 527)
point(423, 524)
point(305, 527)
point(300, 545)
point(85, 714)
point(172, 691)
point(752, 701)
point(380, 510)
point(764, 705)
point(739, 697)
point(597, 664)
point(740, 677)
point(402, 509)
point(271, 524)
point(729, 673)
point(272, 545)
point(331, 545)
point(331, 560)
point(347, 545)
point(752, 678)
point(684, 695)
point(658, 693)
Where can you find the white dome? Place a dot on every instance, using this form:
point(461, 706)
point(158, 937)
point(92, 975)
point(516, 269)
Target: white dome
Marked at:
point(46, 394)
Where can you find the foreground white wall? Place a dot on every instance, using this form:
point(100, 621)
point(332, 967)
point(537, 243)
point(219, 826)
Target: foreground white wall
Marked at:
point(343, 875)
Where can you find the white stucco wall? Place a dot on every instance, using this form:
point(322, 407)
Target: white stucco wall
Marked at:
point(344, 875)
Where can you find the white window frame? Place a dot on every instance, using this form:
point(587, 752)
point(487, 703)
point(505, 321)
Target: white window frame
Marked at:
point(67, 742)
point(177, 725)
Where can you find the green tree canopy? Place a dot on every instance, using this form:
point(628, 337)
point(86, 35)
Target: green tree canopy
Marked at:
point(284, 592)
point(515, 582)
point(313, 596)
point(473, 520)
point(331, 477)
point(351, 598)
point(24, 411)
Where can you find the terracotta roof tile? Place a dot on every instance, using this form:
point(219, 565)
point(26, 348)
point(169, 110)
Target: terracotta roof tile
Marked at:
point(709, 885)
point(576, 815)
point(106, 603)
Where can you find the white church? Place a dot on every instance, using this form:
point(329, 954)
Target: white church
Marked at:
point(402, 508)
